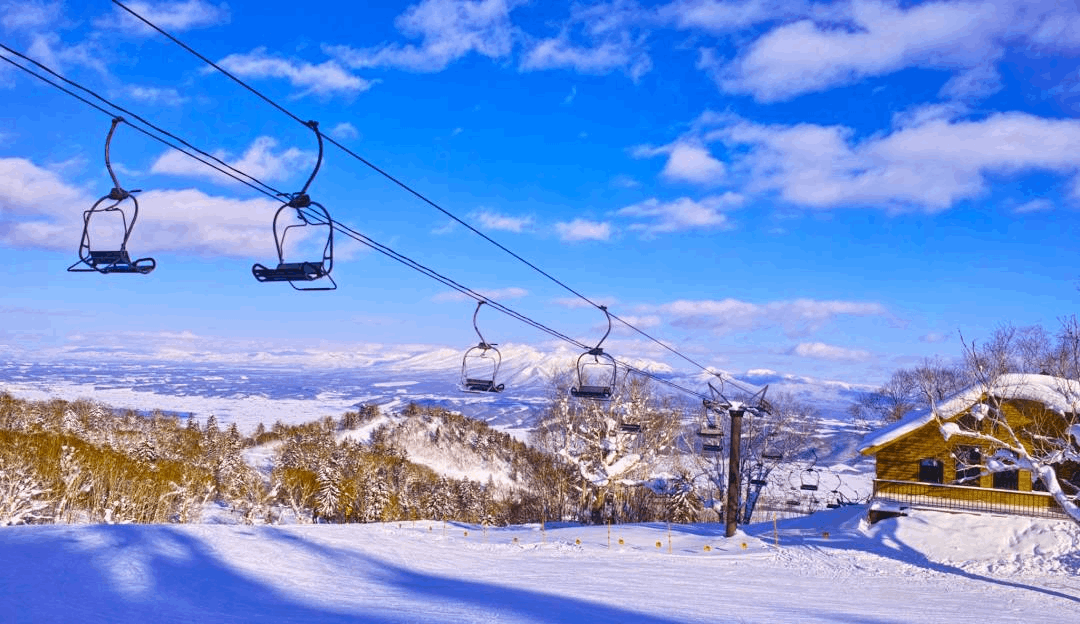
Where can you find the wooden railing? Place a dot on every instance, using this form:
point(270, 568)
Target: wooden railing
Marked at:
point(967, 498)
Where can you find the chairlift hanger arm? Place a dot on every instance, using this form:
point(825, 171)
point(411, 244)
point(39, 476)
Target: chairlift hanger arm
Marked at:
point(300, 199)
point(484, 344)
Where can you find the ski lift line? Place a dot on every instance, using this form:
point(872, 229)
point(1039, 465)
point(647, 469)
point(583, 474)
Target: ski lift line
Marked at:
point(446, 281)
point(271, 194)
point(266, 188)
point(402, 184)
point(275, 194)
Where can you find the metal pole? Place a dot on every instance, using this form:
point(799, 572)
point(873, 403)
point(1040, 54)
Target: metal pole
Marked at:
point(731, 507)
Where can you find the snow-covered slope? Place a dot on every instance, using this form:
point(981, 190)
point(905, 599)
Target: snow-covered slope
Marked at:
point(830, 567)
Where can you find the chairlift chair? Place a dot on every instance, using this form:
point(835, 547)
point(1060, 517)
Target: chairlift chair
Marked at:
point(311, 215)
point(483, 357)
point(809, 480)
point(602, 368)
point(711, 430)
point(757, 476)
point(111, 260)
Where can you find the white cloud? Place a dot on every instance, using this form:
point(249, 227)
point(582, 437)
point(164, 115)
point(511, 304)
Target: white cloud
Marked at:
point(795, 317)
point(344, 130)
point(494, 294)
point(625, 181)
point(28, 14)
point(184, 221)
point(975, 83)
point(32, 190)
point(156, 95)
point(864, 38)
point(933, 337)
point(170, 16)
point(596, 39)
point(723, 16)
point(683, 213)
point(1035, 205)
point(822, 351)
point(583, 229)
point(495, 221)
point(448, 30)
point(687, 162)
point(560, 53)
point(929, 165)
point(259, 161)
point(48, 49)
point(325, 79)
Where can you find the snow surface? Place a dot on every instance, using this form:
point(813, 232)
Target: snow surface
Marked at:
point(828, 567)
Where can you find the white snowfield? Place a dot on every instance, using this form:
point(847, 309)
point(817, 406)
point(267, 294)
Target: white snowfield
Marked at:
point(828, 567)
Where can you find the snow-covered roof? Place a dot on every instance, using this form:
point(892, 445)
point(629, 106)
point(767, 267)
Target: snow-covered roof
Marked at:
point(1056, 393)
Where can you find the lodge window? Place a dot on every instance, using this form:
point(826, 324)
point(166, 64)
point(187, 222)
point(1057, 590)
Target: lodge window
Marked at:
point(968, 459)
point(931, 471)
point(1007, 480)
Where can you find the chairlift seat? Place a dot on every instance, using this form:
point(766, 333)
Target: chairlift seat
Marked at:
point(630, 427)
point(593, 393)
point(759, 482)
point(118, 262)
point(772, 456)
point(482, 385)
point(712, 447)
point(289, 272)
point(711, 432)
point(809, 487)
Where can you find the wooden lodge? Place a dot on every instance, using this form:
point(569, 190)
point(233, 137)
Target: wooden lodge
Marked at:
point(919, 464)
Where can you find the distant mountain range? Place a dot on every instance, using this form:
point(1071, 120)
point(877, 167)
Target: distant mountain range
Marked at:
point(296, 385)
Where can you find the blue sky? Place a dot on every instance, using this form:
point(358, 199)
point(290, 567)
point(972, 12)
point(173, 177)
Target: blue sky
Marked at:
point(832, 189)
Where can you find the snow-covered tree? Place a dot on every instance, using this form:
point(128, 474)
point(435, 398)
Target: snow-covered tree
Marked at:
point(329, 494)
point(22, 495)
point(614, 446)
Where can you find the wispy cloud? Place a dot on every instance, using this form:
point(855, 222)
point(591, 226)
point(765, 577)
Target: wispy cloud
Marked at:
point(325, 79)
point(1035, 205)
point(171, 16)
point(260, 160)
point(344, 130)
point(822, 351)
point(583, 229)
point(725, 16)
point(795, 317)
point(28, 14)
point(682, 214)
point(596, 39)
point(165, 96)
point(448, 30)
point(495, 221)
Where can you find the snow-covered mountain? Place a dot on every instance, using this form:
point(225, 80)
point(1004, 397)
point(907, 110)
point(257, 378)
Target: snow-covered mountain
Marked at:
point(299, 385)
